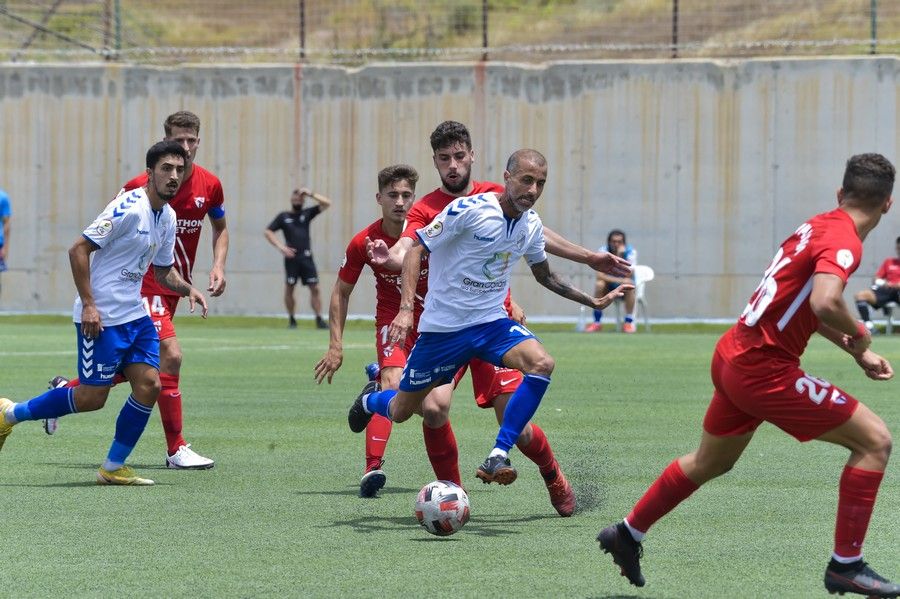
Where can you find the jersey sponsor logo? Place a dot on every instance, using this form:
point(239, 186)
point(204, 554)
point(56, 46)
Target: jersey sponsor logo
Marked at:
point(188, 225)
point(483, 286)
point(845, 258)
point(131, 276)
point(496, 266)
point(103, 228)
point(434, 229)
point(199, 201)
point(142, 232)
point(488, 239)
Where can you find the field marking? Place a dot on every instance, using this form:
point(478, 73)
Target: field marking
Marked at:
point(193, 349)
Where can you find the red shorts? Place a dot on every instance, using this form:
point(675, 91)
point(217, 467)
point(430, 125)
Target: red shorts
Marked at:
point(161, 309)
point(489, 381)
point(801, 405)
point(392, 357)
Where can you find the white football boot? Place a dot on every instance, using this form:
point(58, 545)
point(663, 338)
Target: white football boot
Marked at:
point(188, 459)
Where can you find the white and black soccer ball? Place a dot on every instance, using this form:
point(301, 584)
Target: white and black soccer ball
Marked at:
point(442, 507)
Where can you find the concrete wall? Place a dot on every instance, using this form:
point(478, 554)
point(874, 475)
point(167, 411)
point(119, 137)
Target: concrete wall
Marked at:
point(707, 165)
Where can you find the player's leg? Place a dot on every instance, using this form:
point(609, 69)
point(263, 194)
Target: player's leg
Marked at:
point(98, 359)
point(141, 368)
point(864, 299)
point(378, 431)
point(630, 300)
point(869, 442)
point(600, 289)
point(291, 276)
point(440, 441)
point(309, 276)
point(507, 343)
point(179, 454)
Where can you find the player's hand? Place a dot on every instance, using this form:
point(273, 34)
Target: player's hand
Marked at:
point(516, 312)
point(91, 327)
point(195, 297)
point(288, 252)
point(305, 191)
point(602, 302)
point(216, 282)
point(377, 251)
point(400, 328)
point(328, 365)
point(858, 346)
point(875, 367)
point(610, 264)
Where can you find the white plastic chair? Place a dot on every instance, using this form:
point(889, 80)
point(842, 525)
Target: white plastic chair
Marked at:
point(642, 275)
point(888, 310)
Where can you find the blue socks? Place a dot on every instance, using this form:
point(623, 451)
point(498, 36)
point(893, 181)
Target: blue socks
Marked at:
point(380, 402)
point(52, 404)
point(598, 315)
point(129, 426)
point(520, 409)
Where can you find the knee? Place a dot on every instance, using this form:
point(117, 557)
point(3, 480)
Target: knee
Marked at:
point(703, 468)
point(880, 444)
point(435, 414)
point(542, 365)
point(170, 361)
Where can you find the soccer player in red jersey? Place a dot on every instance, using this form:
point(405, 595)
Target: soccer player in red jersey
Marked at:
point(493, 386)
point(757, 378)
point(198, 197)
point(885, 288)
point(396, 192)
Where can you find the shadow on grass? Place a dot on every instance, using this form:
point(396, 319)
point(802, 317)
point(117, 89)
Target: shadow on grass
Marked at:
point(485, 526)
point(96, 465)
point(71, 484)
point(354, 491)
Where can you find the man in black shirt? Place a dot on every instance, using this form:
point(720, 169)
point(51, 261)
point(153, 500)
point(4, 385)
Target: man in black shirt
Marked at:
point(298, 260)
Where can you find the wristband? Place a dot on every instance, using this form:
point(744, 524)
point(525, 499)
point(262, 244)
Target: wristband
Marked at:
point(861, 331)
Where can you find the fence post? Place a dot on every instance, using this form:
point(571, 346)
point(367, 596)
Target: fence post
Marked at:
point(302, 8)
point(874, 35)
point(484, 30)
point(675, 28)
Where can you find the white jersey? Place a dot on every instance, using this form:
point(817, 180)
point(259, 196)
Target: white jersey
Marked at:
point(474, 247)
point(131, 236)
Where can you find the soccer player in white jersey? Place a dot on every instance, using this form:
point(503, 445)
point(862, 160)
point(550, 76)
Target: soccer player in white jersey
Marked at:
point(473, 244)
point(115, 334)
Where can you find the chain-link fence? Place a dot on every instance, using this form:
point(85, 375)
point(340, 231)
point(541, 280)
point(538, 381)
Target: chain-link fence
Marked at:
point(357, 31)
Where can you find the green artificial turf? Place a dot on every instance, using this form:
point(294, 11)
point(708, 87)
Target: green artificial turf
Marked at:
point(279, 515)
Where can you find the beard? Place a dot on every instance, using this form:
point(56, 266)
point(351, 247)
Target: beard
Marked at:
point(297, 207)
point(457, 187)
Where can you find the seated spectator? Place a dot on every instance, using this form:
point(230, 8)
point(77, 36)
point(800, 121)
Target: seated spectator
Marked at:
point(885, 288)
point(615, 244)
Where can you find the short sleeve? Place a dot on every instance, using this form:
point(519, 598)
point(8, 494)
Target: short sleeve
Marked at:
point(277, 223)
point(836, 252)
point(354, 260)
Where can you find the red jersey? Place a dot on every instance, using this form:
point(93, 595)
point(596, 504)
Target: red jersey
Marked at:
point(889, 271)
point(430, 205)
point(199, 195)
point(778, 321)
point(387, 282)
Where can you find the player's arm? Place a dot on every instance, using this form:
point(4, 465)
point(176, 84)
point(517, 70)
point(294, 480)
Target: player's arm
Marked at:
point(836, 323)
point(389, 257)
point(602, 262)
point(220, 252)
point(80, 261)
point(559, 286)
point(286, 250)
point(168, 277)
point(323, 201)
point(412, 264)
point(337, 318)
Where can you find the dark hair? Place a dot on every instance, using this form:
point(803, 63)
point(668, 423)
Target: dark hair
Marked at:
point(448, 133)
point(184, 120)
point(397, 172)
point(868, 179)
point(512, 165)
point(615, 232)
point(898, 240)
point(164, 148)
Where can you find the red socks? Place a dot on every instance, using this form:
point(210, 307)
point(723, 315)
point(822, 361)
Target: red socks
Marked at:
point(671, 488)
point(539, 452)
point(856, 500)
point(169, 402)
point(378, 432)
point(440, 444)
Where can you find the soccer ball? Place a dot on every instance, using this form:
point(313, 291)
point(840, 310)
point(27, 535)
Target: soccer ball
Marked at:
point(442, 507)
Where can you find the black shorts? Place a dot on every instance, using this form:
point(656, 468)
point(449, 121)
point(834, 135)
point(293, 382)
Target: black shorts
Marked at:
point(885, 294)
point(301, 268)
